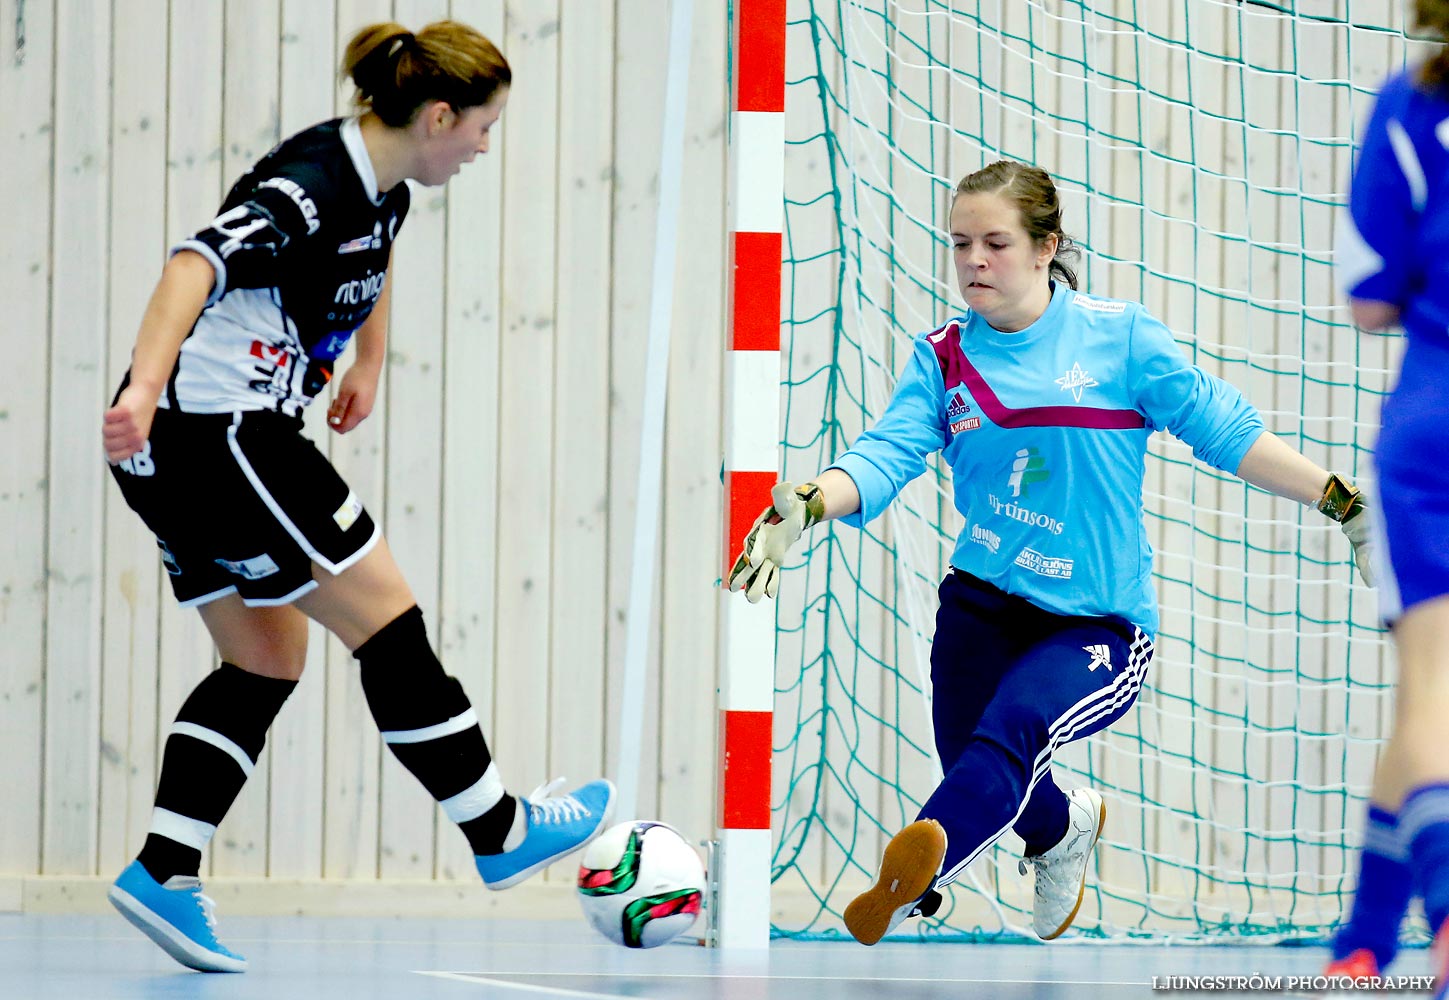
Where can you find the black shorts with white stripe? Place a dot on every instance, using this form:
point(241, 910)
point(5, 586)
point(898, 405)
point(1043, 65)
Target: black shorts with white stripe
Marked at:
point(243, 503)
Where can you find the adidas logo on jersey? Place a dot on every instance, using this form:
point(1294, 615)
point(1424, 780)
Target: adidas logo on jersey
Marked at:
point(1101, 657)
point(958, 407)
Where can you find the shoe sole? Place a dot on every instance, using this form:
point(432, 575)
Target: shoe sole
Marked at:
point(168, 938)
point(1082, 889)
point(911, 862)
point(539, 866)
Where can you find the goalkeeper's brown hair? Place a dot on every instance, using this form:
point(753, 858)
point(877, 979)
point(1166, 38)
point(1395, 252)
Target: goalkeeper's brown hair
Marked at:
point(397, 71)
point(1432, 17)
point(1031, 190)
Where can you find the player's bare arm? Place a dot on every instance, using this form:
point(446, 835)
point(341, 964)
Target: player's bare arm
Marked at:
point(180, 295)
point(357, 391)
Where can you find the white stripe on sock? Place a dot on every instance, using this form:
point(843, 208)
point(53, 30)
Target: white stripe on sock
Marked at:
point(456, 724)
point(473, 802)
point(1423, 807)
point(1385, 841)
point(217, 740)
point(182, 829)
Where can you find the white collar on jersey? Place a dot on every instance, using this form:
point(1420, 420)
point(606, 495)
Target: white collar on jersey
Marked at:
point(361, 162)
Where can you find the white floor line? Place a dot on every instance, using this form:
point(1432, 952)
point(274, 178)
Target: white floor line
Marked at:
point(463, 977)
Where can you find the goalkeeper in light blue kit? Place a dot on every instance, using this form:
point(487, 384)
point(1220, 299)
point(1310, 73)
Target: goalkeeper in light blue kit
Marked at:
point(1393, 262)
point(1042, 400)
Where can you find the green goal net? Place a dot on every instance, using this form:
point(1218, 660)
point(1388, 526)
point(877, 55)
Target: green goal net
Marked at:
point(1202, 150)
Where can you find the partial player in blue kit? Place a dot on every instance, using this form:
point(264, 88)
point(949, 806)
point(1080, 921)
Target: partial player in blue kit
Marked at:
point(1393, 263)
point(256, 529)
point(1041, 400)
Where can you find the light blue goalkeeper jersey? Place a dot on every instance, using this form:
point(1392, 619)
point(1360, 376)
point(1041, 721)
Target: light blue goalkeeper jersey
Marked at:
point(1391, 240)
point(1045, 431)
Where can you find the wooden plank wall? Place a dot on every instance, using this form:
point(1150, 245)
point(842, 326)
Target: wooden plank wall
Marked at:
point(501, 458)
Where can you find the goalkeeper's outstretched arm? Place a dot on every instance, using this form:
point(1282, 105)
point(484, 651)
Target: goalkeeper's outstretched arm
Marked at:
point(1271, 464)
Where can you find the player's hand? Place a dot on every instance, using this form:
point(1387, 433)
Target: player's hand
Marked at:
point(356, 394)
point(1345, 503)
point(757, 570)
point(126, 426)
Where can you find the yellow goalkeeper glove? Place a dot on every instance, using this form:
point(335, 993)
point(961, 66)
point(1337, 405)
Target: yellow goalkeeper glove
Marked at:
point(1344, 502)
point(757, 570)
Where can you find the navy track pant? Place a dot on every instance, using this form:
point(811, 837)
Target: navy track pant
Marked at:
point(1012, 683)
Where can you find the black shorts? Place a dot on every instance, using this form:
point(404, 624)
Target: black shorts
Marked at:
point(242, 502)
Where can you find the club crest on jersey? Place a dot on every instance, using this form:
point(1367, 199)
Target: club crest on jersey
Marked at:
point(1075, 380)
point(373, 242)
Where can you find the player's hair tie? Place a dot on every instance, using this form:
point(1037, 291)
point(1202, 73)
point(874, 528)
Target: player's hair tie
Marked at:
point(401, 42)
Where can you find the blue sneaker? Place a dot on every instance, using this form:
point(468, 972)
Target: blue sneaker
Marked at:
point(558, 825)
point(176, 916)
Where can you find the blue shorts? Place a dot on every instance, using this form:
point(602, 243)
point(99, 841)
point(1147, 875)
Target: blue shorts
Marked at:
point(1413, 481)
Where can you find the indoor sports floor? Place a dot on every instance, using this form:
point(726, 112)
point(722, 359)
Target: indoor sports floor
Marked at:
point(68, 957)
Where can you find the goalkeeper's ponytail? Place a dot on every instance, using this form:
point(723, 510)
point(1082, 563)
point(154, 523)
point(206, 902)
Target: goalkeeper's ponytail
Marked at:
point(1031, 190)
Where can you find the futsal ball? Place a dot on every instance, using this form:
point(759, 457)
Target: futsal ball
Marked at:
point(641, 884)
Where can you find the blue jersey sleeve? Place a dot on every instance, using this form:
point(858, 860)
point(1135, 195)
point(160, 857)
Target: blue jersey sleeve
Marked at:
point(1376, 231)
point(894, 451)
point(1182, 399)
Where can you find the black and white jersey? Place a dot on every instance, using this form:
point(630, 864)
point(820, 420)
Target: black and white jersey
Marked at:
point(300, 249)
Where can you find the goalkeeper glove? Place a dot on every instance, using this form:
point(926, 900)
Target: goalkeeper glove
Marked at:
point(1344, 503)
point(757, 570)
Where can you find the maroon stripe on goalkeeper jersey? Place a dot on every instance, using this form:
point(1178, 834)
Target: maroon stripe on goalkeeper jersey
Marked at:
point(956, 369)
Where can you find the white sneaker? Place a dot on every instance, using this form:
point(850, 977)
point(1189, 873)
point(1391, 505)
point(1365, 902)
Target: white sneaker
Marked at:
point(1061, 873)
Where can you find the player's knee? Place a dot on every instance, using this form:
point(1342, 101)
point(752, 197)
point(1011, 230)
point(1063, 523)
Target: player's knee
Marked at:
point(1014, 735)
point(1012, 720)
point(272, 650)
point(402, 678)
point(399, 640)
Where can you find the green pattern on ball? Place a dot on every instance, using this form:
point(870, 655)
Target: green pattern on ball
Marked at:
point(622, 876)
point(639, 913)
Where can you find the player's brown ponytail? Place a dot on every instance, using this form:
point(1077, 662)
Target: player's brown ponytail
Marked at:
point(397, 71)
